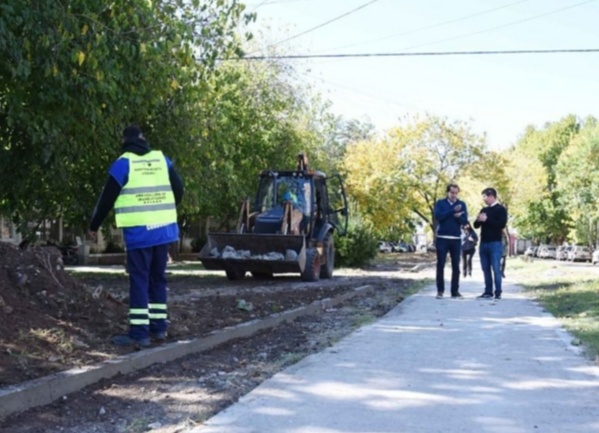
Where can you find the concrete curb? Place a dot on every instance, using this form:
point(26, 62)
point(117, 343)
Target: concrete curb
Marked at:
point(47, 389)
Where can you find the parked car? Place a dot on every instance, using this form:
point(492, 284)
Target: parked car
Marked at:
point(549, 252)
point(595, 257)
point(395, 247)
point(385, 247)
point(562, 252)
point(580, 253)
point(541, 251)
point(403, 247)
point(530, 251)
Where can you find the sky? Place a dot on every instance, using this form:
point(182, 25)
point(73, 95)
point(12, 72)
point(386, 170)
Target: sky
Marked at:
point(499, 95)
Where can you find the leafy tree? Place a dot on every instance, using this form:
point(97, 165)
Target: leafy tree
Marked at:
point(251, 116)
point(401, 176)
point(76, 72)
point(537, 208)
point(376, 181)
point(577, 172)
point(488, 171)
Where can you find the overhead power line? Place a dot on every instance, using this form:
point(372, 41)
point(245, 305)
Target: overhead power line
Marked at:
point(262, 3)
point(421, 54)
point(325, 23)
point(502, 26)
point(277, 2)
point(432, 26)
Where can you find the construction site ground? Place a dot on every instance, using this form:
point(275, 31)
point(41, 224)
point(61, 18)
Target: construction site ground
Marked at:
point(55, 319)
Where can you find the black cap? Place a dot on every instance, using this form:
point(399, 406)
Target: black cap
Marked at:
point(132, 131)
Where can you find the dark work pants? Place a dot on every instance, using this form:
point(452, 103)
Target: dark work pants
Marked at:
point(454, 248)
point(147, 288)
point(467, 261)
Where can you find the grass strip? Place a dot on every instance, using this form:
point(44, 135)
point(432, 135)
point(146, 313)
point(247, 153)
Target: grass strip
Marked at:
point(576, 305)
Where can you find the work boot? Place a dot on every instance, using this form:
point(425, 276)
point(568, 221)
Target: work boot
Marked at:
point(158, 336)
point(126, 341)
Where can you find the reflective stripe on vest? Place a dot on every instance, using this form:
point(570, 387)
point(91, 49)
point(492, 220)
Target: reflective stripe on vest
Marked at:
point(147, 198)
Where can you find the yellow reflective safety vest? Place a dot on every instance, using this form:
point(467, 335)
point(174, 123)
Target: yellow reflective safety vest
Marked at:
point(147, 198)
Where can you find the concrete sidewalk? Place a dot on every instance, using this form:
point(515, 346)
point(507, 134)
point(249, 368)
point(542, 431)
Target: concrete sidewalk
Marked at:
point(430, 365)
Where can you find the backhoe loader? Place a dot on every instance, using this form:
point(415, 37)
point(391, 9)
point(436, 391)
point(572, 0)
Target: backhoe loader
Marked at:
point(287, 228)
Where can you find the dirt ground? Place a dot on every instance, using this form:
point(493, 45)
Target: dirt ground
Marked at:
point(54, 321)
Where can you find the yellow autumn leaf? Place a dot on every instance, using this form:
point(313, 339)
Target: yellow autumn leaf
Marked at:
point(174, 84)
point(80, 57)
point(84, 30)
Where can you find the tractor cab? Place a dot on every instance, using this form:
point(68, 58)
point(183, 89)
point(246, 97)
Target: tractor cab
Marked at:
point(312, 201)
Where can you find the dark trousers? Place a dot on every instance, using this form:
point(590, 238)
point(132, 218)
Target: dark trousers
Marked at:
point(467, 261)
point(454, 248)
point(147, 291)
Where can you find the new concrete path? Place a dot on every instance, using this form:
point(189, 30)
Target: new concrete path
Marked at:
point(429, 366)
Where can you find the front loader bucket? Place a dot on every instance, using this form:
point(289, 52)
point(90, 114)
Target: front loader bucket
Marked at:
point(254, 253)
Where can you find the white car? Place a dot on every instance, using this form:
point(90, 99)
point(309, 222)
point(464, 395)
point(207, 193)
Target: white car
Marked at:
point(385, 247)
point(562, 252)
point(595, 257)
point(580, 253)
point(549, 252)
point(540, 253)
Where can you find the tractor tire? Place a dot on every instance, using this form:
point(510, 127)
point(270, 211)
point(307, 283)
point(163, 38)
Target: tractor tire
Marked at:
point(312, 270)
point(326, 270)
point(262, 275)
point(235, 274)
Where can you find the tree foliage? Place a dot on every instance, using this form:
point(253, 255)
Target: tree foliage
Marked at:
point(360, 244)
point(537, 206)
point(577, 172)
point(400, 177)
point(76, 72)
point(250, 121)
point(488, 171)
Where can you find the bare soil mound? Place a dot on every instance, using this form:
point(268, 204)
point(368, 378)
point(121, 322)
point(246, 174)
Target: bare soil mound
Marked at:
point(53, 321)
point(46, 315)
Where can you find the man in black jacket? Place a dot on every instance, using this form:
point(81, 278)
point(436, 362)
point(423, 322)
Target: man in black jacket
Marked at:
point(492, 219)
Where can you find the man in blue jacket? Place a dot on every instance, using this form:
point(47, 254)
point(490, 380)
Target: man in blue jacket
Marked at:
point(451, 215)
point(144, 189)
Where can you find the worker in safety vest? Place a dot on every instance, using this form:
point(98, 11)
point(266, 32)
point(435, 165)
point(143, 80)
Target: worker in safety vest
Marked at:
point(144, 189)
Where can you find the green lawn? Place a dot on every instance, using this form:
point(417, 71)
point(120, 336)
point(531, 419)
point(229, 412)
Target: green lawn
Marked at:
point(571, 297)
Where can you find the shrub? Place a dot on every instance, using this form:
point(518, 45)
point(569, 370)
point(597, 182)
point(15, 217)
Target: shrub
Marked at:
point(113, 247)
point(357, 247)
point(197, 244)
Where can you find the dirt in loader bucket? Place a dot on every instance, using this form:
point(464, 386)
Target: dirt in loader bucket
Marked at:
point(256, 253)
